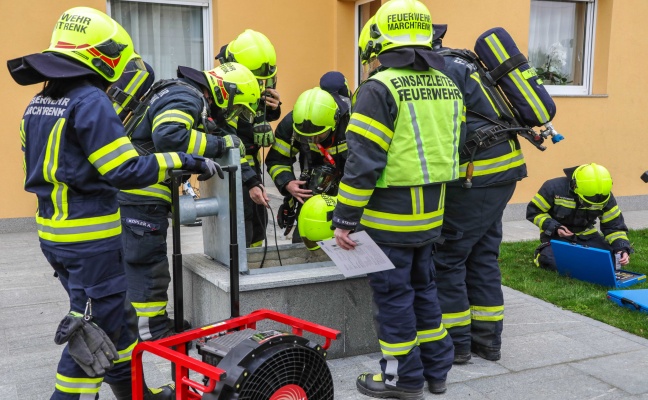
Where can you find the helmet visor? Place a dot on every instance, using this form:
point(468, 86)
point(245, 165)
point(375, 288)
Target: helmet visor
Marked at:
point(265, 71)
point(317, 138)
point(596, 200)
point(243, 112)
point(135, 64)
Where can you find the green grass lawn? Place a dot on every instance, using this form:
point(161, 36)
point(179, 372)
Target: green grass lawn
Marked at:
point(519, 272)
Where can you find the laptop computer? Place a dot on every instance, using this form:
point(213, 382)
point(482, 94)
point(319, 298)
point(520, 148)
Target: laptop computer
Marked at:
point(593, 265)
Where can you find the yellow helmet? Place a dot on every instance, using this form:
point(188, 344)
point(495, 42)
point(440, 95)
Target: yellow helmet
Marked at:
point(366, 49)
point(95, 40)
point(401, 23)
point(254, 50)
point(235, 89)
point(592, 183)
point(315, 115)
point(314, 221)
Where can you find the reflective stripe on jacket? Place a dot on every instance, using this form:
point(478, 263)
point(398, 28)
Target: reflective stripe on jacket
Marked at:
point(555, 204)
point(76, 156)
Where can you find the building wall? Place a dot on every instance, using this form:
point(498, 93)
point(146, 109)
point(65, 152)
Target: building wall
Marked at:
point(315, 36)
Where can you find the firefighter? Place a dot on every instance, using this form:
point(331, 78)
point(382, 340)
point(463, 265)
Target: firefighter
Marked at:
point(367, 52)
point(406, 124)
point(315, 132)
point(132, 84)
point(75, 157)
point(567, 209)
point(255, 51)
point(178, 118)
point(468, 275)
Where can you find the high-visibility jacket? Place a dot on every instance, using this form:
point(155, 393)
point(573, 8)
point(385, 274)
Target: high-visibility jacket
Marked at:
point(557, 205)
point(403, 139)
point(286, 148)
point(174, 121)
point(76, 155)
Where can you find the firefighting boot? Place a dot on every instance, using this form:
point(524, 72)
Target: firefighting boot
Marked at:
point(373, 385)
point(124, 391)
point(487, 353)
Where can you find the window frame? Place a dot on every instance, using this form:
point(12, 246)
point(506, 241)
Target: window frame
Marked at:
point(207, 16)
point(588, 56)
point(357, 29)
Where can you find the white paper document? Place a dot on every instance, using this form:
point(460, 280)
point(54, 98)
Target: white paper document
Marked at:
point(366, 258)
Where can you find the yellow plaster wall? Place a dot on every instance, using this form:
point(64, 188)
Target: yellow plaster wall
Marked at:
point(315, 36)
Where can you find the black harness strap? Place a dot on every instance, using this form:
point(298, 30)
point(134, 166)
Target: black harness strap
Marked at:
point(507, 66)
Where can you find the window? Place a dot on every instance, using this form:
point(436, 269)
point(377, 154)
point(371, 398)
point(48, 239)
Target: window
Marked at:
point(365, 9)
point(561, 37)
point(167, 33)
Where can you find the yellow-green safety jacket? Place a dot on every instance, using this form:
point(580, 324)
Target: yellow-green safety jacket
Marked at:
point(403, 140)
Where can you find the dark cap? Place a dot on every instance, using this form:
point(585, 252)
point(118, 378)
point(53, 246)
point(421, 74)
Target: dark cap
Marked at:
point(335, 82)
point(194, 75)
point(41, 67)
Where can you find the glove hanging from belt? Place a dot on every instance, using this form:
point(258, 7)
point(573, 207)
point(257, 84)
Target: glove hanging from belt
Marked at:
point(88, 344)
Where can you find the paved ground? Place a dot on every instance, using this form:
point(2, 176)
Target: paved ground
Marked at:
point(547, 353)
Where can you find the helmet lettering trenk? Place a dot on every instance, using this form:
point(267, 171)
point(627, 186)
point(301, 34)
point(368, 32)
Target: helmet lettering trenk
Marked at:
point(93, 39)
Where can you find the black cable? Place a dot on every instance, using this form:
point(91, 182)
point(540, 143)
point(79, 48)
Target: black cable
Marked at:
point(276, 243)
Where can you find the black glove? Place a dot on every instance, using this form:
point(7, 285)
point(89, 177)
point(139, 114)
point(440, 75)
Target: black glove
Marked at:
point(263, 135)
point(206, 167)
point(88, 344)
point(286, 214)
point(232, 142)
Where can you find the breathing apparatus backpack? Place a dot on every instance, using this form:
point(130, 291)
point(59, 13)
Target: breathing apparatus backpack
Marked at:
point(515, 89)
point(137, 109)
point(509, 69)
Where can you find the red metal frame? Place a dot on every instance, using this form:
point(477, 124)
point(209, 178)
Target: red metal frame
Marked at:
point(183, 363)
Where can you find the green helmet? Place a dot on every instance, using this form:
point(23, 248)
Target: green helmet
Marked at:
point(95, 40)
point(254, 50)
point(315, 115)
point(314, 221)
point(592, 183)
point(235, 89)
point(401, 23)
point(366, 48)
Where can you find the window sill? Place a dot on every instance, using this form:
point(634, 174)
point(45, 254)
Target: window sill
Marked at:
point(601, 96)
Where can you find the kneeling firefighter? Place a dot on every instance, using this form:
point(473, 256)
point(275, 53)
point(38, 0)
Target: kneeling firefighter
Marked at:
point(567, 209)
point(314, 131)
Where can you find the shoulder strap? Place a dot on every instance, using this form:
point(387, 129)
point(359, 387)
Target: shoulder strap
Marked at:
point(133, 119)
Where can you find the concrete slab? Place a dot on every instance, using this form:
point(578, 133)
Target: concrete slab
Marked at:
point(548, 353)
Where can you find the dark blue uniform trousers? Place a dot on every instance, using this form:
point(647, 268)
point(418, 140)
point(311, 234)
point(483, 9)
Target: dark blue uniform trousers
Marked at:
point(406, 305)
point(468, 272)
point(101, 278)
point(147, 266)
